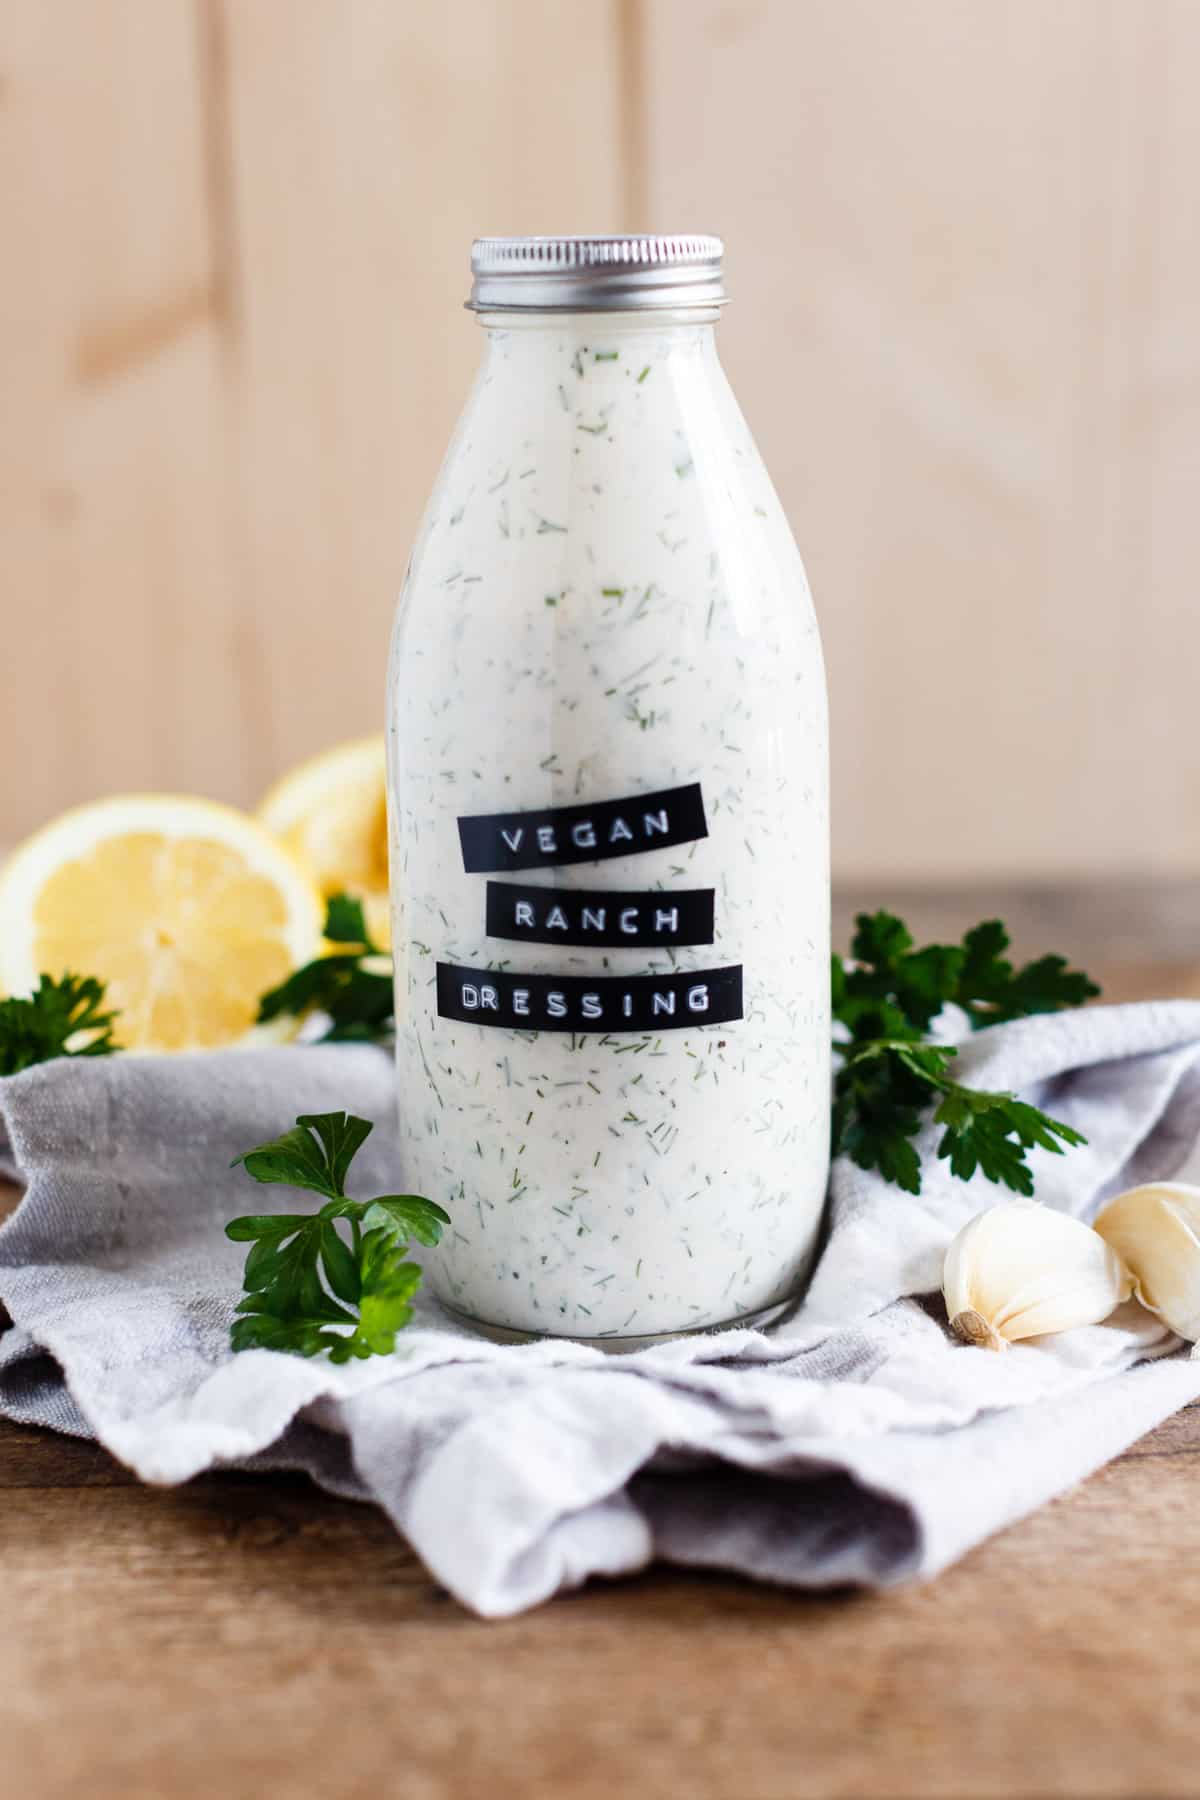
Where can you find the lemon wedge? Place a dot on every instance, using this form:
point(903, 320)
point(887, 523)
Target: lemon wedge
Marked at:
point(331, 813)
point(188, 911)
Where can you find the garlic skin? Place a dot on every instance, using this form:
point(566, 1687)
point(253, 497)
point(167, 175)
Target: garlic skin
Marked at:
point(1155, 1230)
point(1021, 1270)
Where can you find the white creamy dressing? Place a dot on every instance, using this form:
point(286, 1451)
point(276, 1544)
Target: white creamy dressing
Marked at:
point(606, 602)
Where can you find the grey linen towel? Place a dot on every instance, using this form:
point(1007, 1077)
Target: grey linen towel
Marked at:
point(854, 1444)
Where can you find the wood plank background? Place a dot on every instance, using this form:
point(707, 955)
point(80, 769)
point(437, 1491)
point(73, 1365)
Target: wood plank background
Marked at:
point(965, 255)
point(250, 1637)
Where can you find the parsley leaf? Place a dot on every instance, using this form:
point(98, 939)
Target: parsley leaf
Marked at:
point(881, 1093)
point(314, 1154)
point(884, 1000)
point(887, 976)
point(992, 1132)
point(304, 1282)
point(345, 922)
point(989, 989)
point(60, 1018)
point(351, 985)
point(887, 970)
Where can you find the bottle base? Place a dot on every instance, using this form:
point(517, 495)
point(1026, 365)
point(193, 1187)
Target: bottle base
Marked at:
point(614, 1342)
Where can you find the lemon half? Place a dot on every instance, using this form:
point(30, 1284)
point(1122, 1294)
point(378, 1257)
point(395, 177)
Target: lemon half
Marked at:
point(331, 812)
point(188, 911)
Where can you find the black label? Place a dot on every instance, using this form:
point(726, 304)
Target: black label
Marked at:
point(605, 1003)
point(575, 834)
point(605, 918)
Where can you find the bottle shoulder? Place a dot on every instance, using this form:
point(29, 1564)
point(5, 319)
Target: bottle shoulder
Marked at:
point(552, 491)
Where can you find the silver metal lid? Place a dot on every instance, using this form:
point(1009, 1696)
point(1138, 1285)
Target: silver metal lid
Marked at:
point(595, 274)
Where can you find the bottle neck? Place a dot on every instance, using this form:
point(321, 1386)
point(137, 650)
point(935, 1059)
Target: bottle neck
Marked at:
point(600, 339)
point(643, 319)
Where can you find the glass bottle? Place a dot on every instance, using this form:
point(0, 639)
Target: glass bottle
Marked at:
point(608, 821)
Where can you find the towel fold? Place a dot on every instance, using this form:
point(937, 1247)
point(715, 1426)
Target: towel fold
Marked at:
point(854, 1443)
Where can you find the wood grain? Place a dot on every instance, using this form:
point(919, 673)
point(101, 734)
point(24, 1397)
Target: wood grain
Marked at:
point(368, 146)
point(965, 264)
point(964, 259)
point(117, 607)
point(236, 243)
point(248, 1635)
point(1138, 935)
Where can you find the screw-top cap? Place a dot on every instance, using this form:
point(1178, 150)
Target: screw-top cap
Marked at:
point(595, 274)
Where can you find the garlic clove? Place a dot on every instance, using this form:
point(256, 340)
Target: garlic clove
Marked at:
point(1155, 1230)
point(1021, 1270)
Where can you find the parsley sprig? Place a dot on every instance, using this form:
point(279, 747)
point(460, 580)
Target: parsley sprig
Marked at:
point(352, 985)
point(885, 999)
point(60, 1018)
point(889, 1074)
point(304, 1283)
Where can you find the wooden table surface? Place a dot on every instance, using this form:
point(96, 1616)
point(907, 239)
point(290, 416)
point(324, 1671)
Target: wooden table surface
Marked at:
point(250, 1636)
